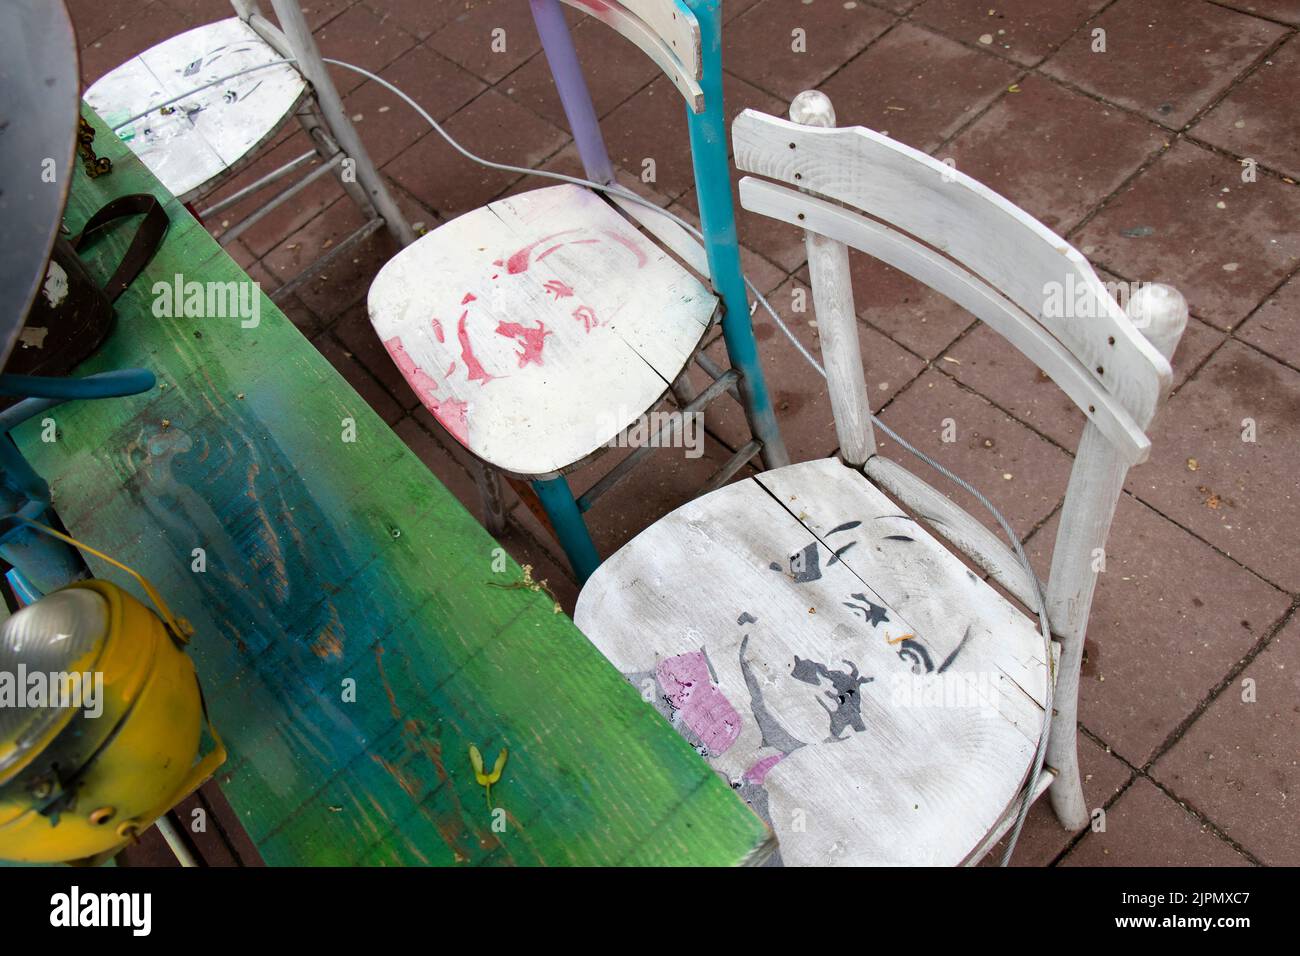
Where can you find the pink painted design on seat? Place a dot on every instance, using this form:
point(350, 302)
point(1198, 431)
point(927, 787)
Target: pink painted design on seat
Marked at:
point(472, 367)
point(437, 329)
point(453, 414)
point(758, 773)
point(520, 260)
point(586, 316)
point(703, 708)
point(561, 289)
point(469, 297)
point(415, 376)
point(641, 258)
point(531, 340)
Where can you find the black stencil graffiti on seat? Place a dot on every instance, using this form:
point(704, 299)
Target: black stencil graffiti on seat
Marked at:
point(847, 712)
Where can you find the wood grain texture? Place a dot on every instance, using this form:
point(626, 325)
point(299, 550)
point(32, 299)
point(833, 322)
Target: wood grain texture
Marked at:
point(205, 134)
point(329, 560)
point(960, 217)
point(507, 321)
point(791, 627)
point(965, 533)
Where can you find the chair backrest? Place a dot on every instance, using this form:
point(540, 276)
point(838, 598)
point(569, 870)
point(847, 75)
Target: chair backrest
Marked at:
point(667, 31)
point(684, 38)
point(857, 188)
point(974, 246)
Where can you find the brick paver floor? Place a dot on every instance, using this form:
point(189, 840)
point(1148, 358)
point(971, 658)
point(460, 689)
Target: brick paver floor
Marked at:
point(1190, 699)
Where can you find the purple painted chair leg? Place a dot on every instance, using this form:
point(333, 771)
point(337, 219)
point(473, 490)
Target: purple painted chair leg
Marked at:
point(574, 96)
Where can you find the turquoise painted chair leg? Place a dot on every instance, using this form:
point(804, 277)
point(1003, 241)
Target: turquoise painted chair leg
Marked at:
point(708, 132)
point(569, 527)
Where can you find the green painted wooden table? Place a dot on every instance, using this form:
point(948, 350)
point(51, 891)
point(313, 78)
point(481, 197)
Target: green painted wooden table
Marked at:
point(329, 561)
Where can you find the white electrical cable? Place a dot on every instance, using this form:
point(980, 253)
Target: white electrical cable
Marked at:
point(1031, 784)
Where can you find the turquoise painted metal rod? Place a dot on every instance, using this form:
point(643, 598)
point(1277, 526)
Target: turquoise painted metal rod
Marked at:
point(570, 529)
point(708, 132)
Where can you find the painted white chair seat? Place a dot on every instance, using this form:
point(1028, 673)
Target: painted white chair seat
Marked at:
point(202, 136)
point(536, 328)
point(871, 697)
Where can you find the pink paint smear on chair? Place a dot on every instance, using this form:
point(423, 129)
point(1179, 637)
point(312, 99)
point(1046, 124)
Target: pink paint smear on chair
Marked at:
point(701, 705)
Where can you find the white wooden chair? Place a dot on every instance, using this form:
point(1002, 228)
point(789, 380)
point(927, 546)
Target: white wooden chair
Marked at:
point(873, 698)
point(201, 140)
point(537, 328)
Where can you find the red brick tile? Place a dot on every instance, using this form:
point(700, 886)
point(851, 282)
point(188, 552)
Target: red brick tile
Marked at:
point(365, 385)
point(469, 37)
point(198, 12)
point(1275, 328)
point(347, 279)
point(318, 12)
point(391, 125)
point(1238, 763)
point(359, 36)
point(313, 240)
point(652, 125)
point(1167, 226)
point(1043, 838)
point(1082, 150)
point(147, 27)
point(1246, 123)
point(988, 446)
point(548, 570)
point(1169, 618)
point(1023, 30)
point(91, 19)
point(1242, 496)
point(664, 481)
point(1146, 828)
point(354, 331)
point(759, 45)
point(307, 322)
point(912, 314)
point(492, 126)
point(285, 219)
point(1164, 58)
point(916, 86)
point(613, 67)
point(417, 17)
point(1288, 11)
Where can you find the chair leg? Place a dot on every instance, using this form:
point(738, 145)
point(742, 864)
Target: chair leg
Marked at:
point(570, 529)
point(310, 64)
point(1066, 791)
point(489, 487)
point(709, 138)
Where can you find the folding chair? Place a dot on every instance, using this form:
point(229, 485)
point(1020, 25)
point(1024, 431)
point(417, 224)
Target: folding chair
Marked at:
point(875, 699)
point(197, 142)
point(537, 328)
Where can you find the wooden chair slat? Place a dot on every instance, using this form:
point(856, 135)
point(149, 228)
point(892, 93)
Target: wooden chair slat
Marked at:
point(990, 236)
point(904, 253)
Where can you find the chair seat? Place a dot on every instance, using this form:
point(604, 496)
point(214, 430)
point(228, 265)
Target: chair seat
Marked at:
point(871, 697)
point(538, 327)
point(206, 134)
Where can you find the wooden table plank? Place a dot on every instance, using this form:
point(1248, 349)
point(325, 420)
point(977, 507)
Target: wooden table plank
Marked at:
point(330, 560)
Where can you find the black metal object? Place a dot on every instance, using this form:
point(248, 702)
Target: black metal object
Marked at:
point(39, 100)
